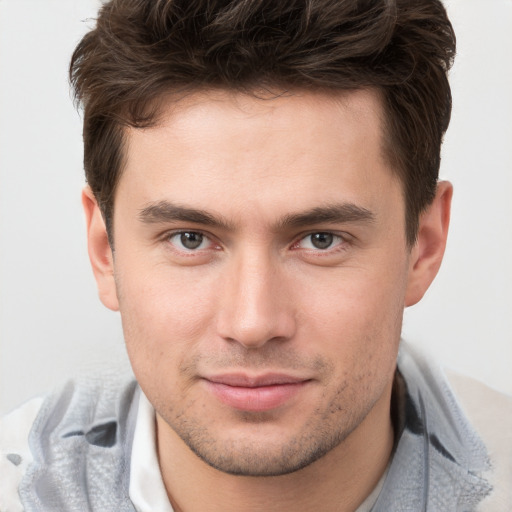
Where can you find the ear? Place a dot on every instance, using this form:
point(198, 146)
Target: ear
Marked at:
point(427, 253)
point(100, 252)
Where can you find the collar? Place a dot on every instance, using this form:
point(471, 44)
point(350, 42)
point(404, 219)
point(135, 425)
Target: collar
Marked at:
point(439, 458)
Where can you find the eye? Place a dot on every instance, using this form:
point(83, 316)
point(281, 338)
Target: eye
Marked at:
point(190, 241)
point(320, 241)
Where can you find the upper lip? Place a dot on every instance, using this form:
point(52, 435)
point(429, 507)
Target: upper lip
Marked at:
point(253, 381)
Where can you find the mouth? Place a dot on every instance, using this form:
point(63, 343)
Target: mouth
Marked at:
point(255, 393)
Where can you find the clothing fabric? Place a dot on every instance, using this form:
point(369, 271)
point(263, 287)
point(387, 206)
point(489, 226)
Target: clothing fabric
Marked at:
point(91, 446)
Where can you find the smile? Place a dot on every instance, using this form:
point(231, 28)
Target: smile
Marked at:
point(255, 394)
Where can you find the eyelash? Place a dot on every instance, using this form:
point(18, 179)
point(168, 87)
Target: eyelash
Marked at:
point(340, 242)
point(189, 252)
point(342, 238)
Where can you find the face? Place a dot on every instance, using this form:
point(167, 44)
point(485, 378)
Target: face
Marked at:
point(260, 269)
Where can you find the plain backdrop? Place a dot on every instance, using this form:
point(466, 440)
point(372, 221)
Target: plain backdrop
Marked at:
point(52, 325)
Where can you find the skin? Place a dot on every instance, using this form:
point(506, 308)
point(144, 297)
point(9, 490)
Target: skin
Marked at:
point(257, 297)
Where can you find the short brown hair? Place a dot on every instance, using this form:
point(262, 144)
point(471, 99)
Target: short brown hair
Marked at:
point(142, 49)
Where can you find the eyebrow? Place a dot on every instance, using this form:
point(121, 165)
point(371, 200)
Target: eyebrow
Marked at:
point(336, 213)
point(164, 211)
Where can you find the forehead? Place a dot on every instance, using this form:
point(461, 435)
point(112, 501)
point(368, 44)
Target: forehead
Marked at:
point(295, 113)
point(220, 147)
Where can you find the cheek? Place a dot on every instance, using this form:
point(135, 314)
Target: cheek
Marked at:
point(359, 318)
point(164, 313)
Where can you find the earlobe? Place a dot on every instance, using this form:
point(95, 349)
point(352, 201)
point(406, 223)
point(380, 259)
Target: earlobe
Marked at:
point(427, 253)
point(100, 252)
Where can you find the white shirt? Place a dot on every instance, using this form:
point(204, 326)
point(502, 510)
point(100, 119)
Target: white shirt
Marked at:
point(147, 490)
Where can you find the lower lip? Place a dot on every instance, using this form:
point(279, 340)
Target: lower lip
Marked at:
point(257, 399)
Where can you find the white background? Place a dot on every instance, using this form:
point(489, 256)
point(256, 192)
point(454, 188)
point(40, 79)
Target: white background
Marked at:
point(52, 326)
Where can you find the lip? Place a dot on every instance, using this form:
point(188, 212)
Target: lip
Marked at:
point(255, 393)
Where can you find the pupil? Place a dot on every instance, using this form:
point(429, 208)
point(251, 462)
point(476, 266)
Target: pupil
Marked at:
point(322, 240)
point(191, 240)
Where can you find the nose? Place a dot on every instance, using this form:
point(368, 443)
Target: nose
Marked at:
point(255, 303)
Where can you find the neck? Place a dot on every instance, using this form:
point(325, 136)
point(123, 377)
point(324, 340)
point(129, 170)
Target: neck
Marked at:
point(339, 481)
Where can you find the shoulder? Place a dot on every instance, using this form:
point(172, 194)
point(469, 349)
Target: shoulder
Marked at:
point(15, 454)
point(490, 413)
point(85, 424)
point(467, 430)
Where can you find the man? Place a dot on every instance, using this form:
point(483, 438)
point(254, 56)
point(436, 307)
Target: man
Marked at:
point(262, 204)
